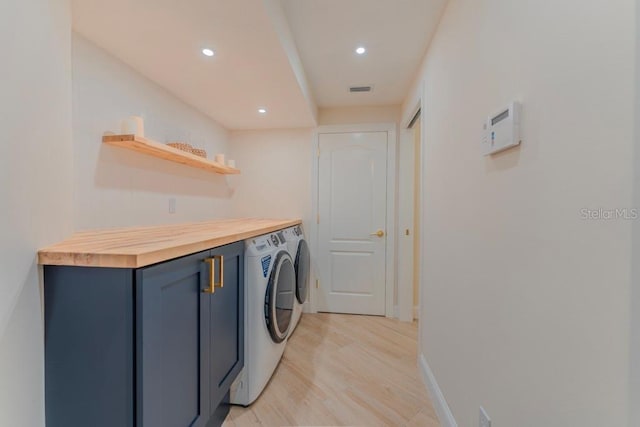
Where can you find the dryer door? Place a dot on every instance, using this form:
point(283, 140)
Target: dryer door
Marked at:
point(278, 303)
point(303, 264)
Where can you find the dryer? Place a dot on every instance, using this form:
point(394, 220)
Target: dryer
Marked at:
point(299, 250)
point(270, 282)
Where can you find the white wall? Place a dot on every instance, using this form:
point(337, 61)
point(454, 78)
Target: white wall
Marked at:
point(276, 173)
point(525, 306)
point(359, 115)
point(276, 176)
point(118, 187)
point(36, 172)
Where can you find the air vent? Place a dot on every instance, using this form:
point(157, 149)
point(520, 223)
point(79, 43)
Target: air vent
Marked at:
point(357, 89)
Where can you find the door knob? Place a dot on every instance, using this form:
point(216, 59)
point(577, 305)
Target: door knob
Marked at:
point(378, 233)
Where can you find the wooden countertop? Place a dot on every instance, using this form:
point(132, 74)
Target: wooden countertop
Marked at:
point(141, 246)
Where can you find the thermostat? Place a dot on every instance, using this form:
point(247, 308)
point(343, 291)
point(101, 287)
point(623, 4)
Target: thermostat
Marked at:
point(502, 130)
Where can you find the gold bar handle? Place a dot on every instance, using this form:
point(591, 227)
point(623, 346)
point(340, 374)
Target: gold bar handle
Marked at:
point(212, 273)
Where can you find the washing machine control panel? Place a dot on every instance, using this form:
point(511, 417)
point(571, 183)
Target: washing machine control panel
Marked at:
point(262, 244)
point(293, 233)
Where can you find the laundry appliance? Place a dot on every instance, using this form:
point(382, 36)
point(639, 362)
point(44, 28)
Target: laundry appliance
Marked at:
point(299, 251)
point(270, 282)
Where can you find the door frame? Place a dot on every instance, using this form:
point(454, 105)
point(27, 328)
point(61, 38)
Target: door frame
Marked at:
point(418, 105)
point(391, 224)
point(405, 290)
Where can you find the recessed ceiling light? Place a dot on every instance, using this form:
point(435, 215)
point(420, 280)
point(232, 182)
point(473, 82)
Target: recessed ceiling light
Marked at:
point(360, 50)
point(208, 52)
point(262, 111)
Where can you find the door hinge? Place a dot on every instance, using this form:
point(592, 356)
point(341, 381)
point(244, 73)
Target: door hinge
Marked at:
point(318, 219)
point(318, 152)
point(317, 284)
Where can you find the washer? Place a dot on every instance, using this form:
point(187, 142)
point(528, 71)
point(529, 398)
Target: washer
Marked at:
point(299, 251)
point(270, 283)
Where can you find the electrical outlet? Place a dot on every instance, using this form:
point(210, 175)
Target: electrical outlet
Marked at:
point(485, 421)
point(172, 205)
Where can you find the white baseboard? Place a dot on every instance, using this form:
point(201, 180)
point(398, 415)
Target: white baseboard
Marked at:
point(439, 403)
point(416, 312)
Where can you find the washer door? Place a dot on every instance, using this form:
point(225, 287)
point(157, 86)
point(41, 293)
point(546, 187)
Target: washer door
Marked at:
point(303, 263)
point(278, 303)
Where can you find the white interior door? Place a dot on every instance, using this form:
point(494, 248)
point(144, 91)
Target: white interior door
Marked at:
point(352, 235)
point(406, 231)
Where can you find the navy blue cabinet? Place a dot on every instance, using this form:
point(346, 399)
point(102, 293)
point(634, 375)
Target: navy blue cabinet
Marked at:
point(173, 343)
point(89, 347)
point(227, 324)
point(144, 347)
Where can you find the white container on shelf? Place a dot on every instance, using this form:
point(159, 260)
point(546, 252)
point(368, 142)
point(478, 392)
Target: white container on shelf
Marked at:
point(133, 125)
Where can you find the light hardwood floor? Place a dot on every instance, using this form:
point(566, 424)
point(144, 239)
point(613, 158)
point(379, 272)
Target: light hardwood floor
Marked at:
point(344, 370)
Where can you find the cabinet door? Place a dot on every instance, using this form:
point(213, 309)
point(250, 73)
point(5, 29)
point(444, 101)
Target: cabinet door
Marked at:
point(227, 323)
point(173, 343)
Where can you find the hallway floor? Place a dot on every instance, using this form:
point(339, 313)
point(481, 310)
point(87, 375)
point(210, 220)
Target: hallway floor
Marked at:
point(343, 370)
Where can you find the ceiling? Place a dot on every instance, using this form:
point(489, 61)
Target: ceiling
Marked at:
point(396, 34)
point(163, 40)
point(287, 56)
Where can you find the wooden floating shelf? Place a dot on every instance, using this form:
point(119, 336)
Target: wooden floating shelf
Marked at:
point(162, 151)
